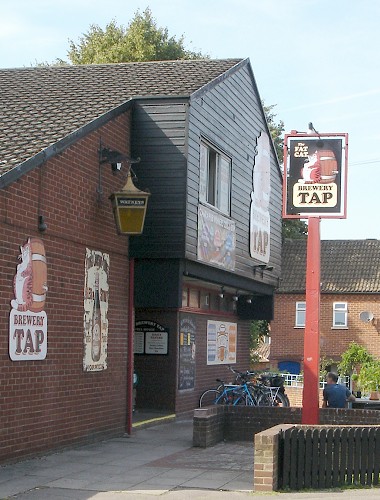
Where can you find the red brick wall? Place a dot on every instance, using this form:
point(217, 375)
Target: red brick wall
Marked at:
point(205, 376)
point(287, 341)
point(45, 404)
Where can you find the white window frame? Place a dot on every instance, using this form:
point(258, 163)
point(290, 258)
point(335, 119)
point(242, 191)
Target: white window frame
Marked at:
point(300, 308)
point(340, 310)
point(215, 178)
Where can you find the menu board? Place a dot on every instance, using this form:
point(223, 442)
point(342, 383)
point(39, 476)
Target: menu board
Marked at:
point(150, 338)
point(187, 334)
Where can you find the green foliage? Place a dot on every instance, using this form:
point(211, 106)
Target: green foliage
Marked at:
point(141, 40)
point(259, 328)
point(369, 376)
point(354, 355)
point(276, 130)
point(294, 229)
point(291, 228)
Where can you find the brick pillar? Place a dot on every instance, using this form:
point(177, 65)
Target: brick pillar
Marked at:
point(265, 472)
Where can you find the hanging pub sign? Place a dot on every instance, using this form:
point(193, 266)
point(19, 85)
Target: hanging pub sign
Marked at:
point(315, 175)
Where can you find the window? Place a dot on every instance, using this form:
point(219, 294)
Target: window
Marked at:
point(340, 313)
point(215, 178)
point(300, 314)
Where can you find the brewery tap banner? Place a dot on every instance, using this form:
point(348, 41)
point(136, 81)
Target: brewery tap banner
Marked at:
point(96, 293)
point(315, 176)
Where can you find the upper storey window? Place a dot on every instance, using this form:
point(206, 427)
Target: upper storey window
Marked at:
point(215, 178)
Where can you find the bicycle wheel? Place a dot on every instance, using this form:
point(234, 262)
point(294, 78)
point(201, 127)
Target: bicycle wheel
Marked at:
point(281, 400)
point(212, 397)
point(265, 399)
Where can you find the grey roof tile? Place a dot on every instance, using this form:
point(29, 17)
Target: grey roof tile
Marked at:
point(347, 266)
point(40, 106)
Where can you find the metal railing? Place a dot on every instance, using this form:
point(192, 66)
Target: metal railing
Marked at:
point(297, 380)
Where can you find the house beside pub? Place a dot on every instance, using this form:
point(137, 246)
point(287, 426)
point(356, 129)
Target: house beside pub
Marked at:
point(350, 288)
point(207, 263)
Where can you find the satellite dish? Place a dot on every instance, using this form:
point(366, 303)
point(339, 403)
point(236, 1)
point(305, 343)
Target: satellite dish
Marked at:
point(366, 316)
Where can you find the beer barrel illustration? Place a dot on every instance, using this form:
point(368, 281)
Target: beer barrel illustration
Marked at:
point(329, 166)
point(39, 270)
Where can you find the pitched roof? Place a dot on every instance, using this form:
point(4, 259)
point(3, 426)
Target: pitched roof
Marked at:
point(347, 266)
point(41, 106)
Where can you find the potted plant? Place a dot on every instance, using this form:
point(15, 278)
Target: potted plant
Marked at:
point(369, 378)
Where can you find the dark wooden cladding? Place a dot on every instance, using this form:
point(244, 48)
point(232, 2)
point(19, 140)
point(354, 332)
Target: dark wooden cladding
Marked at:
point(229, 115)
point(159, 138)
point(166, 135)
point(323, 458)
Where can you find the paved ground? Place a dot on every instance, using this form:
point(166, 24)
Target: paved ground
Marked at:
point(156, 461)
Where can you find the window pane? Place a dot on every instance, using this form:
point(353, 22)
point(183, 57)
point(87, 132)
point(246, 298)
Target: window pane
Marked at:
point(300, 318)
point(194, 298)
point(211, 193)
point(205, 300)
point(224, 185)
point(185, 293)
point(340, 319)
point(340, 305)
point(203, 173)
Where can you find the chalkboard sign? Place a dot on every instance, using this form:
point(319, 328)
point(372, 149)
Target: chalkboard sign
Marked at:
point(187, 331)
point(150, 338)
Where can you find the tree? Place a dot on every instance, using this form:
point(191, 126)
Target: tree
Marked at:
point(291, 228)
point(258, 330)
point(141, 40)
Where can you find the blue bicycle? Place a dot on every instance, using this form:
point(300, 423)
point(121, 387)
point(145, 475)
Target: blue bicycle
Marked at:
point(228, 394)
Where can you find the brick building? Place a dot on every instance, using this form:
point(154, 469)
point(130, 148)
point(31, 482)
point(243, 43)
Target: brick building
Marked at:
point(207, 262)
point(350, 275)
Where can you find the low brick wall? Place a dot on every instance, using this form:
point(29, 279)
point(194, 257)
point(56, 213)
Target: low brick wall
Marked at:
point(208, 426)
point(295, 395)
point(215, 423)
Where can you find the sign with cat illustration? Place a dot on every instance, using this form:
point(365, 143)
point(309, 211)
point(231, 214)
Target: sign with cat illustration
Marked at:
point(27, 319)
point(315, 177)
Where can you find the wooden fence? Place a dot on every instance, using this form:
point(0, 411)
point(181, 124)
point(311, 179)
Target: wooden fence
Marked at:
point(323, 458)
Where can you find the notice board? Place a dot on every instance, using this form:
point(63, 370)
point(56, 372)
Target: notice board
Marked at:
point(187, 337)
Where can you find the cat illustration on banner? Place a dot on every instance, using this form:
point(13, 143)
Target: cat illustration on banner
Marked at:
point(30, 281)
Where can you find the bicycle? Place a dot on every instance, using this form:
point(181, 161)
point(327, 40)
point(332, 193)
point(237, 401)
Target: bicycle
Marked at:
point(267, 389)
point(227, 394)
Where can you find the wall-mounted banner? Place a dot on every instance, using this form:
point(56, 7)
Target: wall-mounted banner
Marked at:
point(260, 196)
point(216, 239)
point(96, 292)
point(316, 176)
point(221, 342)
point(150, 338)
point(27, 319)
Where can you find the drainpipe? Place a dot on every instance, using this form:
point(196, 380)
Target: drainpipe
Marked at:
point(130, 350)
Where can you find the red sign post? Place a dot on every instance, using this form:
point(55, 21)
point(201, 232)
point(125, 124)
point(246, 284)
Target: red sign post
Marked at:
point(315, 187)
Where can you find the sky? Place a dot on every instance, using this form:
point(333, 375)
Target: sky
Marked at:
point(316, 60)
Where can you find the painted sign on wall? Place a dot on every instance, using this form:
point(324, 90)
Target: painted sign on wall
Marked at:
point(186, 371)
point(315, 184)
point(260, 196)
point(96, 293)
point(216, 239)
point(221, 342)
point(27, 319)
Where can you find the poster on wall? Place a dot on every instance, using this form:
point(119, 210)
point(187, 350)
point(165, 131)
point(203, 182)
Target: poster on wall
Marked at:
point(316, 180)
point(216, 239)
point(96, 293)
point(186, 371)
point(27, 319)
point(260, 198)
point(150, 338)
point(221, 342)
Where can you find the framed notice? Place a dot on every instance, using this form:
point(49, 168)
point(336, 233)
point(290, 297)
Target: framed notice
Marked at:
point(150, 338)
point(315, 180)
point(221, 342)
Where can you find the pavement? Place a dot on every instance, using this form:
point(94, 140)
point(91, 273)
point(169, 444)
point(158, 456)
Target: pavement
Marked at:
point(156, 461)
